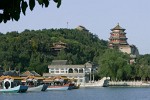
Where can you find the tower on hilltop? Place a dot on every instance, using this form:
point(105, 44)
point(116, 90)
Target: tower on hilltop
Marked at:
point(117, 37)
point(118, 40)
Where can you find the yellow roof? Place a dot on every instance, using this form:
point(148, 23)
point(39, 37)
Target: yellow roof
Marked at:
point(60, 77)
point(48, 80)
point(11, 77)
point(34, 77)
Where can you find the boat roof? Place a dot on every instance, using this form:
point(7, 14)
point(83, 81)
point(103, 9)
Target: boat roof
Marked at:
point(11, 77)
point(33, 77)
point(30, 73)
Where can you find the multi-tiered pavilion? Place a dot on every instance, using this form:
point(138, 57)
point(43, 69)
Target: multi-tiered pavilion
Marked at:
point(118, 40)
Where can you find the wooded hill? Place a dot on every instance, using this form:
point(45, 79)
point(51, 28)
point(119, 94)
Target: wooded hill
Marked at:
point(32, 50)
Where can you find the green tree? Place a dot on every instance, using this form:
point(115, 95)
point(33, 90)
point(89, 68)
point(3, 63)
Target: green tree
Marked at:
point(13, 8)
point(33, 49)
point(127, 72)
point(112, 64)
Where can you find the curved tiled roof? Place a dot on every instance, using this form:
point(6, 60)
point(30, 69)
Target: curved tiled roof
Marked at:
point(118, 27)
point(59, 62)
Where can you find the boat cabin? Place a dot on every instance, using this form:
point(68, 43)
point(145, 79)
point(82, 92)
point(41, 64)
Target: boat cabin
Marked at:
point(7, 82)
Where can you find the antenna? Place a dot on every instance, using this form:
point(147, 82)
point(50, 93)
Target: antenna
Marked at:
point(67, 24)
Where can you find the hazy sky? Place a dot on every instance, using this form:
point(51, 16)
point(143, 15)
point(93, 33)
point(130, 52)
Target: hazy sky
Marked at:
point(99, 16)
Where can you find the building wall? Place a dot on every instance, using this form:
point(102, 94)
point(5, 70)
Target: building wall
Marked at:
point(130, 49)
point(78, 72)
point(125, 49)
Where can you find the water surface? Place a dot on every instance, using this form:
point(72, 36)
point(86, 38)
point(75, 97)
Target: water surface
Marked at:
point(100, 93)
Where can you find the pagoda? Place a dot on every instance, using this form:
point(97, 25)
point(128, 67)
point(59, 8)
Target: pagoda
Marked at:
point(118, 40)
point(117, 37)
point(58, 46)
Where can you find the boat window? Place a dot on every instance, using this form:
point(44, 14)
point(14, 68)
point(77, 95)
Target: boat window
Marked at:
point(12, 84)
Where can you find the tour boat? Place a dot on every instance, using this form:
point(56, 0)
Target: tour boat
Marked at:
point(11, 84)
point(17, 89)
point(57, 83)
point(73, 86)
point(34, 83)
point(64, 87)
point(38, 88)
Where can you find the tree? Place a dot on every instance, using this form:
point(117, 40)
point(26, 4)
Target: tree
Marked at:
point(127, 72)
point(112, 64)
point(33, 49)
point(11, 9)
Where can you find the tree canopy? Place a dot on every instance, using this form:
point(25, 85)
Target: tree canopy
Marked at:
point(115, 64)
point(32, 49)
point(11, 9)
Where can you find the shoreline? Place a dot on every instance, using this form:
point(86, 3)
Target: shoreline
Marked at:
point(129, 83)
point(117, 84)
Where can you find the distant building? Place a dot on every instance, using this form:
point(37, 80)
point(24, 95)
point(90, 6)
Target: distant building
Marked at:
point(118, 40)
point(82, 28)
point(83, 73)
point(58, 46)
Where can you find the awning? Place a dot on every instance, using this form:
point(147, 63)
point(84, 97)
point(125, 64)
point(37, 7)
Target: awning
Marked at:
point(11, 77)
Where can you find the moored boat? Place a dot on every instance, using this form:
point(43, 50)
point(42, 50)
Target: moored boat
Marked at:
point(17, 89)
point(39, 88)
point(63, 87)
point(74, 86)
point(45, 86)
point(34, 83)
point(57, 83)
point(12, 85)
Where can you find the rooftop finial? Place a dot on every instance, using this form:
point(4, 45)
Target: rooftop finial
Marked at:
point(117, 23)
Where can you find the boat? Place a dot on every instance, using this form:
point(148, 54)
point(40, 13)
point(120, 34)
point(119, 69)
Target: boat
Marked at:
point(17, 89)
point(57, 87)
point(39, 88)
point(74, 86)
point(11, 85)
point(57, 83)
point(34, 83)
point(45, 86)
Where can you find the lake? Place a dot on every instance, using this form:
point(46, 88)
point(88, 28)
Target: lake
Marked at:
point(99, 93)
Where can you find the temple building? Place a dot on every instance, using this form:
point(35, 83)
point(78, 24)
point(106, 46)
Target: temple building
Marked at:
point(118, 40)
point(82, 73)
point(58, 46)
point(82, 28)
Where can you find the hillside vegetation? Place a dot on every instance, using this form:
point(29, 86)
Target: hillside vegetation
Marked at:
point(31, 50)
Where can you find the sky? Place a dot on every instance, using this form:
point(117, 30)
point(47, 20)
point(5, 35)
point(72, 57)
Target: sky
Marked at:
point(98, 16)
